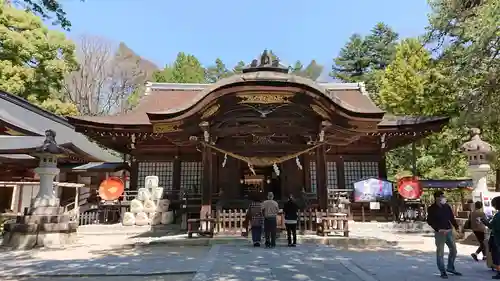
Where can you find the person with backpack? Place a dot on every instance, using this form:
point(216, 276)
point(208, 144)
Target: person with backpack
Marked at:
point(478, 228)
point(255, 219)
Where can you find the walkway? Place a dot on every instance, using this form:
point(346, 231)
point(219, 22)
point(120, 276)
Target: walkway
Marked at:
point(309, 262)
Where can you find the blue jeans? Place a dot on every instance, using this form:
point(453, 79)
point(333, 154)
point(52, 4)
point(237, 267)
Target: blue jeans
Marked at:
point(256, 234)
point(442, 239)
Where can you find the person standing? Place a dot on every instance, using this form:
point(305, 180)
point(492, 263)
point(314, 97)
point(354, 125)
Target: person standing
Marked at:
point(478, 228)
point(291, 210)
point(256, 219)
point(270, 209)
point(441, 218)
point(494, 241)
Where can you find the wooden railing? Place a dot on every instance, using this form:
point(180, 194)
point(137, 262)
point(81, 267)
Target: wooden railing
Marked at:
point(233, 221)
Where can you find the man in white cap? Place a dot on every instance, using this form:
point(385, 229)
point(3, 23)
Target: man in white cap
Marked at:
point(270, 209)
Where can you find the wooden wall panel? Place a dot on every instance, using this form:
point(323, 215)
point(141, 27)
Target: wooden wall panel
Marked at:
point(229, 178)
point(293, 179)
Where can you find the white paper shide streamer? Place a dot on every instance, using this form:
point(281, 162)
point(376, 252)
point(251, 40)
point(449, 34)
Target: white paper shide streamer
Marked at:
point(297, 160)
point(225, 161)
point(276, 169)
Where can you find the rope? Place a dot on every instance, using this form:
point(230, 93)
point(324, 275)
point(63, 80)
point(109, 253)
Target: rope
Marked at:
point(262, 161)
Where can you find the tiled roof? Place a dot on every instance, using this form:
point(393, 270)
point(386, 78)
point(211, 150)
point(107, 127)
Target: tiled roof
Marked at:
point(22, 114)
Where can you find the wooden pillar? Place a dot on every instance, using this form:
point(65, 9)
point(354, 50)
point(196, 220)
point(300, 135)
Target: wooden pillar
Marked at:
point(206, 190)
point(322, 191)
point(176, 178)
point(134, 170)
point(307, 172)
point(382, 168)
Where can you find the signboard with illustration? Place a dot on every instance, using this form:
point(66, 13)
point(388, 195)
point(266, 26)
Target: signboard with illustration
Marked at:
point(372, 189)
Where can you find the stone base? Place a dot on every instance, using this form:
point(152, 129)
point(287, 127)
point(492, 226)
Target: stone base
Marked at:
point(40, 231)
point(26, 241)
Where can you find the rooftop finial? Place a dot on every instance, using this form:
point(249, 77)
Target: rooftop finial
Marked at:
point(266, 63)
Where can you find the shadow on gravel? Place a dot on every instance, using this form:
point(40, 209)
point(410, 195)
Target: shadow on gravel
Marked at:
point(120, 262)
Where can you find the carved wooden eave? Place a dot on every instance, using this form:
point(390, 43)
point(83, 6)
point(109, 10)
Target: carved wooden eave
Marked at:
point(261, 105)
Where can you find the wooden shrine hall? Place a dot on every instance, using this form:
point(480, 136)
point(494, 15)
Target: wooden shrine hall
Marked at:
point(262, 130)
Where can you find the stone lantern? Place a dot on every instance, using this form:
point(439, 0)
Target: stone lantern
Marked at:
point(47, 170)
point(45, 224)
point(478, 153)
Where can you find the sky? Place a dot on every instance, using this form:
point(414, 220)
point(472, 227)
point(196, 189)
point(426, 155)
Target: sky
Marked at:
point(241, 30)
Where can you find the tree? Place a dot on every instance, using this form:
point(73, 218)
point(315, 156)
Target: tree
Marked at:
point(129, 74)
point(413, 84)
point(313, 70)
point(381, 45)
point(353, 61)
point(46, 9)
point(363, 58)
point(106, 78)
point(296, 68)
point(471, 31)
point(465, 37)
point(239, 67)
point(217, 71)
point(186, 69)
point(33, 59)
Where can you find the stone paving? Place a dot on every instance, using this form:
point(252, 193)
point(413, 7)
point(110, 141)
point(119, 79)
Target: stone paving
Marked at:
point(309, 262)
point(103, 257)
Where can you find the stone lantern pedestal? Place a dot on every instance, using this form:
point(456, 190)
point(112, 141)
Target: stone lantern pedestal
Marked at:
point(45, 224)
point(477, 152)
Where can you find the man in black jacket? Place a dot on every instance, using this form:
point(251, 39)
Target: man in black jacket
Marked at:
point(441, 218)
point(291, 210)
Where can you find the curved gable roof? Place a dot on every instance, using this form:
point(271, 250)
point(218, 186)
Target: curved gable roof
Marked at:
point(175, 98)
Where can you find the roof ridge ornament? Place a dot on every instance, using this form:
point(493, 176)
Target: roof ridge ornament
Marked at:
point(266, 63)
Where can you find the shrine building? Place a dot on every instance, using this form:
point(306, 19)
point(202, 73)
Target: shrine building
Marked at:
point(262, 130)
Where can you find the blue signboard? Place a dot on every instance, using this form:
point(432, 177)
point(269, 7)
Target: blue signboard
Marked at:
point(372, 189)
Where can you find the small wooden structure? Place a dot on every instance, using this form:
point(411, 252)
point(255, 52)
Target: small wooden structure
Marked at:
point(301, 137)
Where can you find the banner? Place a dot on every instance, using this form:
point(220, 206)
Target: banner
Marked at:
point(372, 189)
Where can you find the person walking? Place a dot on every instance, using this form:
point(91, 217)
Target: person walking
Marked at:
point(441, 218)
point(255, 219)
point(478, 228)
point(494, 241)
point(291, 210)
point(270, 209)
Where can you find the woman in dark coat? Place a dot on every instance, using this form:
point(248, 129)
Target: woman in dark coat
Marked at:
point(494, 240)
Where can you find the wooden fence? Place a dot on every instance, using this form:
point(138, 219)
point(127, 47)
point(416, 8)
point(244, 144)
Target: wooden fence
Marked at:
point(89, 217)
point(232, 221)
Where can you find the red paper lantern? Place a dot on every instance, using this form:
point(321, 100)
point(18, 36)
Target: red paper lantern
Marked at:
point(111, 188)
point(410, 188)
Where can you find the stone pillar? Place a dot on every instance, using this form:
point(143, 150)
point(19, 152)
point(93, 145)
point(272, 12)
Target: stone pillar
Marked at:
point(47, 170)
point(478, 152)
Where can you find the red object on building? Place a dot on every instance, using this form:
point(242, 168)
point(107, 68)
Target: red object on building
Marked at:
point(410, 188)
point(111, 188)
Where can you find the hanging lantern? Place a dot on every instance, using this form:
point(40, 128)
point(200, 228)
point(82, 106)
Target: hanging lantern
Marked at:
point(410, 188)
